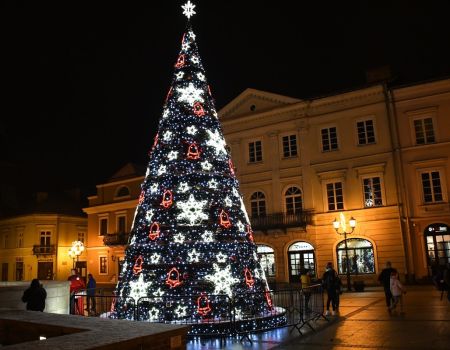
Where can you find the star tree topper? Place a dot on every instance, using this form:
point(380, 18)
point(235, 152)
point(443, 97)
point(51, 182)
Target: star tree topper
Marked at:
point(188, 9)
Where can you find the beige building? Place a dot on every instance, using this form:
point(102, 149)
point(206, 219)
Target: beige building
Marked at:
point(36, 244)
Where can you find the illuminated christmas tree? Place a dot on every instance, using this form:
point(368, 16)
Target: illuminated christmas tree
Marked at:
point(191, 235)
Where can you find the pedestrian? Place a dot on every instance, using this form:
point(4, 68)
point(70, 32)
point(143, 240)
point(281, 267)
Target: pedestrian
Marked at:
point(397, 290)
point(91, 285)
point(385, 279)
point(76, 285)
point(35, 296)
point(329, 284)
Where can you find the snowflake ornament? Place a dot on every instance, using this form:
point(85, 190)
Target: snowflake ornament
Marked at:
point(165, 113)
point(240, 226)
point(201, 76)
point(138, 289)
point(213, 184)
point(149, 215)
point(183, 187)
point(223, 280)
point(208, 237)
point(185, 45)
point(158, 293)
point(217, 142)
point(190, 94)
point(172, 155)
point(154, 188)
point(221, 257)
point(154, 258)
point(192, 35)
point(179, 75)
point(228, 201)
point(193, 256)
point(207, 166)
point(192, 130)
point(180, 311)
point(195, 60)
point(162, 169)
point(179, 238)
point(192, 211)
point(167, 136)
point(188, 9)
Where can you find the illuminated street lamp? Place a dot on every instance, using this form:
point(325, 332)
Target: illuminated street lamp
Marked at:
point(75, 251)
point(341, 228)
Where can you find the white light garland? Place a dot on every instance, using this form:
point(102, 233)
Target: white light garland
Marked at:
point(190, 94)
point(192, 211)
point(172, 155)
point(223, 280)
point(192, 130)
point(193, 256)
point(138, 289)
point(244, 210)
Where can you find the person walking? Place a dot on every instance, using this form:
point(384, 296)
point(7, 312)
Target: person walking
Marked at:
point(35, 296)
point(91, 285)
point(385, 279)
point(329, 282)
point(397, 290)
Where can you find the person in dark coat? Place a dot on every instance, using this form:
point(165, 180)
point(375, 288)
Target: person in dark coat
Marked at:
point(385, 279)
point(35, 296)
point(91, 285)
point(329, 282)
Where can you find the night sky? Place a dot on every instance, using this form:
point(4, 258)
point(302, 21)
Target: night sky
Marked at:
point(84, 85)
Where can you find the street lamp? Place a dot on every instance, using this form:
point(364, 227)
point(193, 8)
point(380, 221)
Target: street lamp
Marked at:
point(341, 228)
point(75, 251)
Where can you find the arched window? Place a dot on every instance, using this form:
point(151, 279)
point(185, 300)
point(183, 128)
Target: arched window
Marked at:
point(258, 204)
point(293, 198)
point(266, 256)
point(123, 192)
point(360, 257)
point(301, 259)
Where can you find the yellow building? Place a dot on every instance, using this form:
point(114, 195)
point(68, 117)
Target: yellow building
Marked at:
point(36, 244)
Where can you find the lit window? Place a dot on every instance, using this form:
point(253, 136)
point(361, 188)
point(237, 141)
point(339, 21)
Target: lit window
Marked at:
point(255, 152)
point(335, 196)
point(366, 132)
point(431, 186)
point(424, 131)
point(372, 192)
point(45, 238)
point(329, 139)
point(290, 146)
point(103, 265)
point(258, 204)
point(294, 203)
point(81, 236)
point(20, 239)
point(19, 269)
point(360, 257)
point(266, 256)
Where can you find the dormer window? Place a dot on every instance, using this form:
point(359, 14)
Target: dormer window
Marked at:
point(123, 192)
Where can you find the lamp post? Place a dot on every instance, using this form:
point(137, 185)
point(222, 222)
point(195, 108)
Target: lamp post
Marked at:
point(75, 251)
point(341, 228)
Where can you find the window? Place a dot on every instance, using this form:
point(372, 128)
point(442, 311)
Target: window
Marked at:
point(254, 152)
point(438, 244)
point(6, 241)
point(335, 196)
point(360, 257)
point(45, 238)
point(103, 265)
point(123, 192)
point(19, 269)
point(81, 236)
point(103, 226)
point(366, 132)
point(258, 204)
point(294, 203)
point(372, 192)
point(301, 260)
point(290, 146)
point(266, 256)
point(424, 131)
point(431, 186)
point(20, 239)
point(329, 139)
point(121, 223)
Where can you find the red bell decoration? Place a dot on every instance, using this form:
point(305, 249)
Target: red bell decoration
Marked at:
point(167, 199)
point(193, 151)
point(137, 268)
point(268, 298)
point(230, 164)
point(198, 109)
point(249, 232)
point(249, 281)
point(141, 197)
point(203, 307)
point(224, 219)
point(154, 231)
point(180, 61)
point(173, 278)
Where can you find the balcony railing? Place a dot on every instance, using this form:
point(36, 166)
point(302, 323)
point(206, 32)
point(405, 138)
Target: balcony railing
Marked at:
point(281, 221)
point(112, 239)
point(44, 249)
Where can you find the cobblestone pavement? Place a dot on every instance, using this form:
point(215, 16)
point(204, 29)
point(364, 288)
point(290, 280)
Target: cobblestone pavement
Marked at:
point(363, 323)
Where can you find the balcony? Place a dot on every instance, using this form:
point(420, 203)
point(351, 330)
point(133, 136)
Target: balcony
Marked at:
point(44, 249)
point(113, 239)
point(281, 221)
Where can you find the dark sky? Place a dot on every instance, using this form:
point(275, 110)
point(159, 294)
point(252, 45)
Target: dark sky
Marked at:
point(85, 83)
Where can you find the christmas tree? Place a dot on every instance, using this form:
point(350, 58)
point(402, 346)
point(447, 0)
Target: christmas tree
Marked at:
point(191, 238)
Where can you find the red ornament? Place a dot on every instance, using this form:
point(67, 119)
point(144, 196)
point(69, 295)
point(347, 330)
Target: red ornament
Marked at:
point(224, 219)
point(180, 61)
point(249, 281)
point(198, 109)
point(203, 307)
point(169, 93)
point(268, 298)
point(167, 199)
point(154, 231)
point(137, 268)
point(182, 39)
point(193, 151)
point(230, 164)
point(141, 197)
point(156, 140)
point(173, 278)
point(249, 233)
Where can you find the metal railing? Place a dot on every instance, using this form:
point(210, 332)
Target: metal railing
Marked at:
point(281, 221)
point(44, 249)
point(113, 239)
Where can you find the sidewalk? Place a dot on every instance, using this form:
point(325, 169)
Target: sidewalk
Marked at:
point(364, 323)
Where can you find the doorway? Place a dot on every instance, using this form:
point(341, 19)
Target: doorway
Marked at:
point(81, 267)
point(4, 272)
point(45, 270)
point(301, 257)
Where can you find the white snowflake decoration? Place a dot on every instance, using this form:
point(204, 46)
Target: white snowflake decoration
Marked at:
point(223, 280)
point(228, 201)
point(158, 293)
point(221, 257)
point(138, 289)
point(192, 35)
point(195, 59)
point(207, 166)
point(185, 45)
point(238, 314)
point(193, 256)
point(172, 155)
point(208, 237)
point(166, 113)
point(192, 130)
point(201, 76)
point(153, 314)
point(188, 9)
point(181, 311)
point(217, 141)
point(192, 211)
point(190, 94)
point(162, 169)
point(240, 226)
point(167, 135)
point(154, 258)
point(153, 188)
point(124, 267)
point(213, 184)
point(236, 193)
point(183, 187)
point(149, 215)
point(179, 238)
point(179, 75)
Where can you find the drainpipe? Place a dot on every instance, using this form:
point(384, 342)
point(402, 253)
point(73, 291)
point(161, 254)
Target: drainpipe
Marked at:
point(402, 198)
